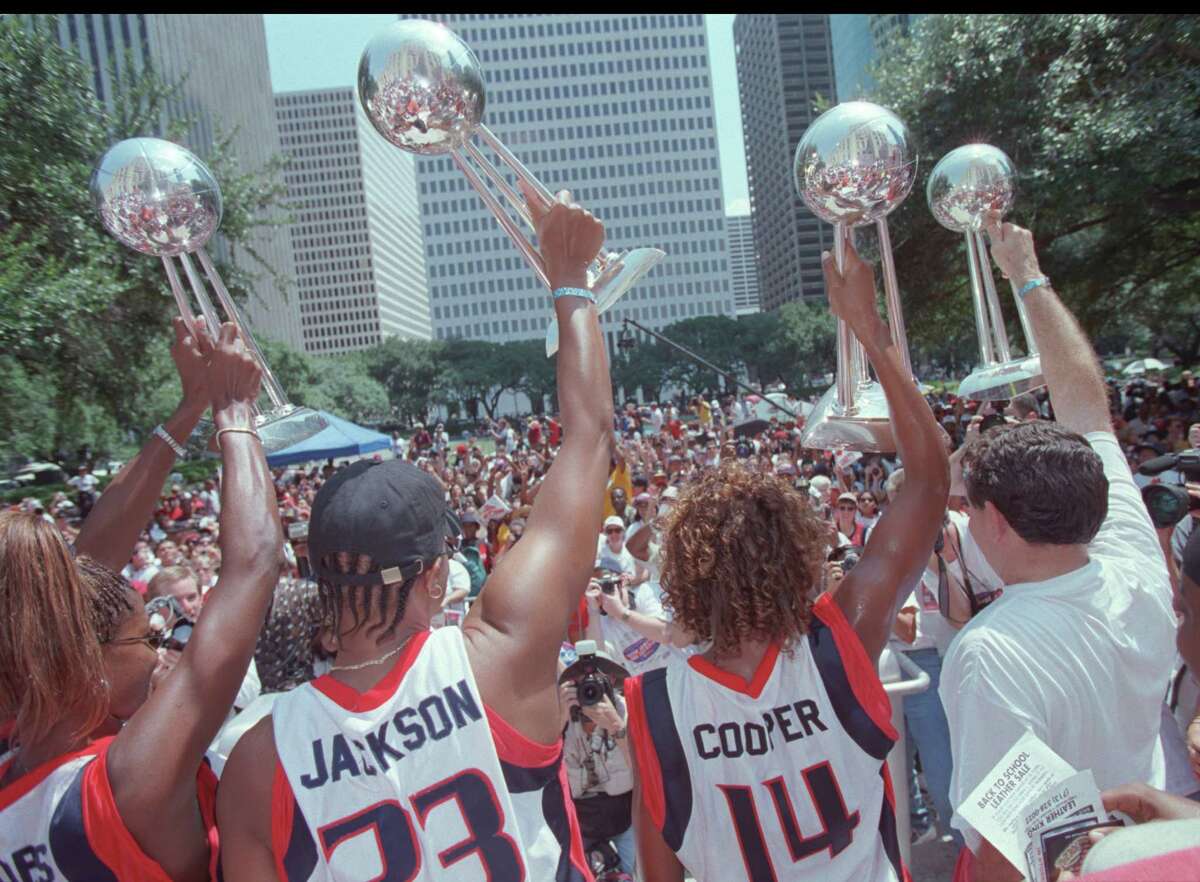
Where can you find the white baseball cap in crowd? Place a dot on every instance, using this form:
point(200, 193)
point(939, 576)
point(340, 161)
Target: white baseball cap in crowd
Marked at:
point(671, 492)
point(613, 521)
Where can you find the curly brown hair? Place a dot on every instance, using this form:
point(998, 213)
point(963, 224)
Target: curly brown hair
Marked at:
point(742, 553)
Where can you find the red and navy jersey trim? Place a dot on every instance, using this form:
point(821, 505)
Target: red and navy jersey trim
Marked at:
point(529, 767)
point(672, 762)
point(292, 840)
point(887, 825)
point(69, 843)
point(851, 683)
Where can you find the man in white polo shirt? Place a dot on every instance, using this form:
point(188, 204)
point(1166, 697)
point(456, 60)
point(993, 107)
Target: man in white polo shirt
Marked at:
point(1079, 646)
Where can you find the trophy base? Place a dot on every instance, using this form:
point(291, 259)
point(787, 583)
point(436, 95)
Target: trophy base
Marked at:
point(866, 428)
point(619, 275)
point(288, 425)
point(1003, 381)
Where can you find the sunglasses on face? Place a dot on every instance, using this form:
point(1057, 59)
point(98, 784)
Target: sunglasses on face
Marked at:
point(150, 639)
point(848, 507)
point(613, 531)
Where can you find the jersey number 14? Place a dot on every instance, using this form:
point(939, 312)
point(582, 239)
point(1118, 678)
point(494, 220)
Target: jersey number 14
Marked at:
point(835, 837)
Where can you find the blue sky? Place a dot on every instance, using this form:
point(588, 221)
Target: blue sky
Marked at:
point(321, 51)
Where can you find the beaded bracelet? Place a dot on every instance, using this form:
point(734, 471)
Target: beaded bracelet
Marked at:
point(574, 292)
point(1031, 284)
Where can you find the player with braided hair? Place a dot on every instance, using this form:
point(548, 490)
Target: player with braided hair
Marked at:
point(415, 736)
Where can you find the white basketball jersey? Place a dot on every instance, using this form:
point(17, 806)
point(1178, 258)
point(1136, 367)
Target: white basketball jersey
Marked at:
point(60, 822)
point(779, 778)
point(416, 780)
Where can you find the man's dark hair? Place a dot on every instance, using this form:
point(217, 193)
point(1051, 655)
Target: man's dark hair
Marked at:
point(1046, 480)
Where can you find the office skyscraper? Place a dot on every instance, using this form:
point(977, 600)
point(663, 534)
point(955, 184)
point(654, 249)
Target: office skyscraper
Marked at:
point(221, 60)
point(743, 266)
point(784, 62)
point(356, 231)
point(617, 108)
point(857, 41)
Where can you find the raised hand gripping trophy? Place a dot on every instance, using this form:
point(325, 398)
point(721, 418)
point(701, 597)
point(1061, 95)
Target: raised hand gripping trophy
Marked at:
point(422, 88)
point(157, 198)
point(964, 187)
point(853, 167)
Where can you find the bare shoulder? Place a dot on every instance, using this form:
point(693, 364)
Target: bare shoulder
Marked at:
point(249, 774)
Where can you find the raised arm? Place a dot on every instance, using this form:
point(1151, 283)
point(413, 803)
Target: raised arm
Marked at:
point(902, 540)
point(1072, 371)
point(514, 630)
point(170, 733)
point(127, 503)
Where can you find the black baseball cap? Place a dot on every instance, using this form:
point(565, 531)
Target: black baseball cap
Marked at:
point(390, 510)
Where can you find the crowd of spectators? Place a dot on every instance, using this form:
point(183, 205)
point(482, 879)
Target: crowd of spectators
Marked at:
point(492, 476)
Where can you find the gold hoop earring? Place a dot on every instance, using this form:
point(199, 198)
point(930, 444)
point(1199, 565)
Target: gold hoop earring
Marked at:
point(438, 595)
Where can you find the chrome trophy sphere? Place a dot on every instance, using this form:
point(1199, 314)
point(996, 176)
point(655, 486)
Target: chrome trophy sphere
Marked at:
point(156, 197)
point(421, 86)
point(968, 183)
point(854, 164)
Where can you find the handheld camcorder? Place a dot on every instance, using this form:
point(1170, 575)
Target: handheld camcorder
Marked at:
point(1169, 504)
point(595, 675)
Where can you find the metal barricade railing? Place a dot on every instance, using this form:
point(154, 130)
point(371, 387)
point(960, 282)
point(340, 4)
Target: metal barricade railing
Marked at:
point(901, 677)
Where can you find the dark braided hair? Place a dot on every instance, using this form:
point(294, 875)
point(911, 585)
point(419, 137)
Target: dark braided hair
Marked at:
point(379, 607)
point(108, 596)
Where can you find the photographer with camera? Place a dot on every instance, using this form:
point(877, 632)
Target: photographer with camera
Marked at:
point(596, 754)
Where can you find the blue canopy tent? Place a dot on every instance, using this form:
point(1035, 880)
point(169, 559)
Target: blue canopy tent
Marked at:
point(339, 438)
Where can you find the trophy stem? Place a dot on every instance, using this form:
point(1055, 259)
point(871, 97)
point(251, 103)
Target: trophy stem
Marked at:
point(511, 196)
point(891, 295)
point(181, 301)
point(518, 167)
point(993, 301)
point(270, 384)
point(986, 355)
point(1031, 347)
point(206, 306)
point(527, 251)
point(846, 373)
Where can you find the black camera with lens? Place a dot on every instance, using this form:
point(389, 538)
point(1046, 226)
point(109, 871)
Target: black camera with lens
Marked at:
point(595, 675)
point(1169, 504)
point(609, 585)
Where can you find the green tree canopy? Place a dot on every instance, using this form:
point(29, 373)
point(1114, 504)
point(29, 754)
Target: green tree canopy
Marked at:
point(1098, 112)
point(84, 322)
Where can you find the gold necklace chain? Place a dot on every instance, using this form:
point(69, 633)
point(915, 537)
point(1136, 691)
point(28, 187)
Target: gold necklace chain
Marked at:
point(376, 661)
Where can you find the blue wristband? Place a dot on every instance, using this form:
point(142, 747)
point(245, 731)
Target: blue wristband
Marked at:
point(574, 292)
point(1031, 284)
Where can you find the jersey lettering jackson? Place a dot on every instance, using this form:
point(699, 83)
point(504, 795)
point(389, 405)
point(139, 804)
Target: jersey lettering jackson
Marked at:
point(416, 779)
point(779, 778)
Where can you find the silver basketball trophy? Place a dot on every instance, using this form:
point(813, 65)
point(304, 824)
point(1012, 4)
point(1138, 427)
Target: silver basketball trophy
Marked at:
point(157, 198)
point(853, 166)
point(422, 88)
point(964, 188)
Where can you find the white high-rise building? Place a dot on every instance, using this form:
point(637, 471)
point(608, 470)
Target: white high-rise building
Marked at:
point(619, 109)
point(743, 266)
point(220, 62)
point(356, 231)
